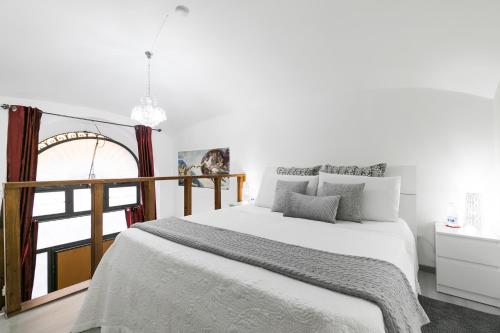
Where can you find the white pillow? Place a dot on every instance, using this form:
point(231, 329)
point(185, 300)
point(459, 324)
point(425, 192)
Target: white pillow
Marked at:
point(380, 196)
point(265, 198)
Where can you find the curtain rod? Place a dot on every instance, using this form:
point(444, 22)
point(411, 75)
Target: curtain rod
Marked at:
point(7, 106)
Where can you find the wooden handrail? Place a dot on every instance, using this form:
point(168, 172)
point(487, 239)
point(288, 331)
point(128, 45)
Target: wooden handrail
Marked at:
point(149, 202)
point(12, 253)
point(188, 196)
point(12, 190)
point(54, 183)
point(217, 193)
point(239, 191)
point(96, 227)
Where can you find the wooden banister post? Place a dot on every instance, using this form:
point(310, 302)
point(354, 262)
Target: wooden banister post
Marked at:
point(12, 241)
point(97, 199)
point(149, 201)
point(188, 196)
point(217, 193)
point(239, 193)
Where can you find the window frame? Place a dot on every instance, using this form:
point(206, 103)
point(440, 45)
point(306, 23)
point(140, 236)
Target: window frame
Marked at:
point(81, 135)
point(52, 252)
point(69, 211)
point(68, 190)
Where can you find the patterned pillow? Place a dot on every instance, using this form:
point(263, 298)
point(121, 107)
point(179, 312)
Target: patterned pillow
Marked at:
point(377, 170)
point(311, 207)
point(313, 171)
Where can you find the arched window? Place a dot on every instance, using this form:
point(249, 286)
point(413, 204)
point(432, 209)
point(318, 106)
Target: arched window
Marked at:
point(70, 156)
point(63, 213)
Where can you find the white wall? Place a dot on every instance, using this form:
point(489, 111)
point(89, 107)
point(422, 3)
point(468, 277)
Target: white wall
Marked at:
point(497, 125)
point(448, 136)
point(497, 148)
point(51, 125)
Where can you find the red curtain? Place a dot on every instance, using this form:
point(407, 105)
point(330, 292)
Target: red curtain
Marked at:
point(22, 159)
point(134, 214)
point(146, 160)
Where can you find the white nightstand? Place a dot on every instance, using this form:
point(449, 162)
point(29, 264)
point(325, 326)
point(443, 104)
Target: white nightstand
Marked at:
point(468, 264)
point(241, 203)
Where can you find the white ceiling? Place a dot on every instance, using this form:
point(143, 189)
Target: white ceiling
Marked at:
point(235, 55)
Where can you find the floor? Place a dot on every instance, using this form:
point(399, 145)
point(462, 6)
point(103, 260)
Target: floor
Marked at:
point(55, 317)
point(62, 313)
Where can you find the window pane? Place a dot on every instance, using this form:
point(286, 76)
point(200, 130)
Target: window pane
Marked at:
point(63, 231)
point(40, 285)
point(47, 203)
point(122, 196)
point(72, 160)
point(114, 222)
point(81, 200)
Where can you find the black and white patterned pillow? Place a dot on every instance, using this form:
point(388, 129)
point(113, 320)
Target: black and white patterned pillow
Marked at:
point(377, 170)
point(293, 171)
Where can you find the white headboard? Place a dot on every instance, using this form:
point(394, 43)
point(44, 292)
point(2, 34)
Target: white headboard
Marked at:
point(408, 202)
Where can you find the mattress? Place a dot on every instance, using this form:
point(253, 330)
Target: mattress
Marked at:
point(148, 284)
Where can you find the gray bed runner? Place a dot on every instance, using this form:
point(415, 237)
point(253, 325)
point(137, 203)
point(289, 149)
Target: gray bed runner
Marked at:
point(374, 280)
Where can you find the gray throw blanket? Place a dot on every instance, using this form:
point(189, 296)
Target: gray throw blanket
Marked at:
point(374, 280)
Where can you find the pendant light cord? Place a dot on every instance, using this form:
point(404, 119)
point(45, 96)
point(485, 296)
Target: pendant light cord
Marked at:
point(149, 54)
point(159, 32)
point(180, 10)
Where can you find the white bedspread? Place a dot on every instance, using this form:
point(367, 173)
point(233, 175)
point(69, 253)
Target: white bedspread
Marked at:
point(148, 284)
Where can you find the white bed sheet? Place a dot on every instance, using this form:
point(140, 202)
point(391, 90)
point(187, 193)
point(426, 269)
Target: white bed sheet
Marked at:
point(148, 284)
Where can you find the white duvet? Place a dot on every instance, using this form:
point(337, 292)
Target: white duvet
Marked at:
point(148, 284)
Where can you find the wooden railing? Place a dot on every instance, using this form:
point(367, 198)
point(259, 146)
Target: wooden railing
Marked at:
point(12, 247)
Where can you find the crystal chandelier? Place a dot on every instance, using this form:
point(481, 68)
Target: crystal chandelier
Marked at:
point(148, 113)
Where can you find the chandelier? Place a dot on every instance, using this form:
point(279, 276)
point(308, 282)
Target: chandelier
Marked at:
point(148, 113)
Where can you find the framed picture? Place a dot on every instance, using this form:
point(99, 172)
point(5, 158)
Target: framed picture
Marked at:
point(204, 162)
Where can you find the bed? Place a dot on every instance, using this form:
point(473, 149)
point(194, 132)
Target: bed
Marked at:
point(145, 283)
point(141, 282)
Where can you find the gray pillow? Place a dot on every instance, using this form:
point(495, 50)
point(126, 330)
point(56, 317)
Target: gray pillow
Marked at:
point(284, 187)
point(351, 199)
point(377, 170)
point(312, 207)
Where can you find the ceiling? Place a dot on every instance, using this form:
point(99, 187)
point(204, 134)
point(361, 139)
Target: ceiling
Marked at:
point(232, 55)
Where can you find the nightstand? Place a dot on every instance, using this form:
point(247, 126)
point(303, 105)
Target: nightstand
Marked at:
point(236, 204)
point(468, 264)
